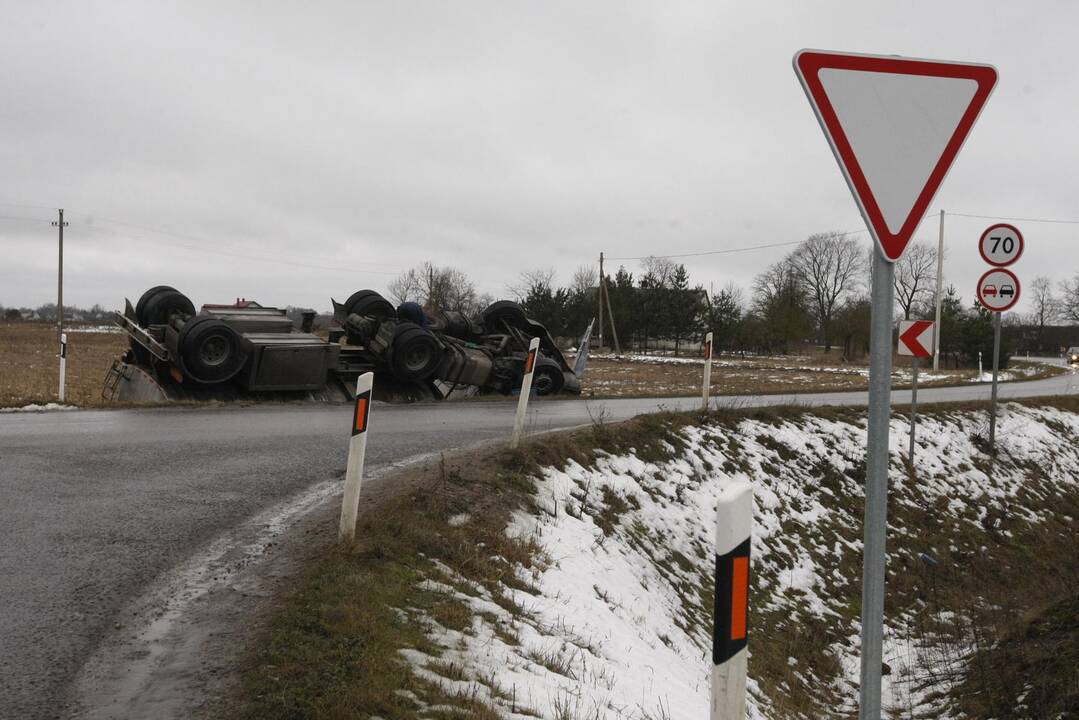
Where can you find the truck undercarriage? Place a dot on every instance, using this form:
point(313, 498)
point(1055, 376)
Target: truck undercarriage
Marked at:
point(248, 351)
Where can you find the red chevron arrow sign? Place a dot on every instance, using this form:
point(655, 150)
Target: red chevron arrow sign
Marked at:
point(916, 338)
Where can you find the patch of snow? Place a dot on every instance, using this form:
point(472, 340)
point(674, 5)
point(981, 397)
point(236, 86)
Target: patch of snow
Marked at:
point(616, 622)
point(94, 329)
point(47, 407)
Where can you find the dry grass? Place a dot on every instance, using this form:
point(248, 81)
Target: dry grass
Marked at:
point(30, 365)
point(332, 650)
point(29, 371)
point(609, 377)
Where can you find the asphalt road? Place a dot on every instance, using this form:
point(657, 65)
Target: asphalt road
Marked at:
point(97, 503)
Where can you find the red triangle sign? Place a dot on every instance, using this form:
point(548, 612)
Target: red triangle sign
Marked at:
point(895, 125)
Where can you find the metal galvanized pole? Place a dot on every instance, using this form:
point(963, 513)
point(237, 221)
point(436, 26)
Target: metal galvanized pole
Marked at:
point(913, 406)
point(526, 390)
point(940, 282)
point(993, 400)
point(357, 449)
point(876, 486)
point(734, 524)
point(707, 369)
point(63, 364)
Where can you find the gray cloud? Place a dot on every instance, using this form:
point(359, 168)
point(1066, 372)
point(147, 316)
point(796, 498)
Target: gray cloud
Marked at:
point(364, 138)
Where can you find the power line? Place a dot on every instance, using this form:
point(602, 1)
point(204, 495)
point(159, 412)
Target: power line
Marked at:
point(18, 218)
point(732, 250)
point(90, 220)
point(243, 256)
point(1015, 219)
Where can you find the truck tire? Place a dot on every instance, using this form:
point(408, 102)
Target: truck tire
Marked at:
point(368, 303)
point(547, 378)
point(502, 313)
point(415, 353)
point(210, 350)
point(141, 304)
point(162, 305)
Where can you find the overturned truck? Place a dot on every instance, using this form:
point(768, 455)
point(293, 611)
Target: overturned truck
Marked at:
point(245, 350)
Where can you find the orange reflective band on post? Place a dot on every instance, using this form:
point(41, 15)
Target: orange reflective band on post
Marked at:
point(730, 617)
point(707, 350)
point(530, 363)
point(739, 597)
point(359, 419)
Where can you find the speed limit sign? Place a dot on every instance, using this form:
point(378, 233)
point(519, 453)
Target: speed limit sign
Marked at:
point(1001, 245)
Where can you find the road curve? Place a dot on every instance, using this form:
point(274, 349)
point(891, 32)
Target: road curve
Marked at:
point(96, 504)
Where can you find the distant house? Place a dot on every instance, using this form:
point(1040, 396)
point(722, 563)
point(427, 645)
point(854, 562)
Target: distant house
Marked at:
point(240, 304)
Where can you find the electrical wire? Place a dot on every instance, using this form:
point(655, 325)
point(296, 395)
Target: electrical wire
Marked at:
point(243, 256)
point(730, 250)
point(1014, 219)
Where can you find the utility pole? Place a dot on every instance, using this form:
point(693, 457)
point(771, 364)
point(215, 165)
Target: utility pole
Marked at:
point(940, 281)
point(599, 295)
point(60, 224)
point(60, 275)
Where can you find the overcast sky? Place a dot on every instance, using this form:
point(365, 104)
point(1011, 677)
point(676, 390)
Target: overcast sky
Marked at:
point(293, 151)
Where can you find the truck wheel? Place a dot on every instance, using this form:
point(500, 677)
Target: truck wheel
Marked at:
point(162, 305)
point(211, 351)
point(547, 378)
point(368, 303)
point(415, 353)
point(502, 313)
point(140, 306)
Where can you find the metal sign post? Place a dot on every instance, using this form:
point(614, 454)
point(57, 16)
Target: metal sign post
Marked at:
point(913, 408)
point(993, 396)
point(913, 342)
point(876, 485)
point(895, 126)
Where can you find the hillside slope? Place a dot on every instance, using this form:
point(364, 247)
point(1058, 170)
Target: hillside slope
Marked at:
point(587, 592)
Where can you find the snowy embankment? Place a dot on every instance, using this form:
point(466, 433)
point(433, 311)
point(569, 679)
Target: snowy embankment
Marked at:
point(614, 620)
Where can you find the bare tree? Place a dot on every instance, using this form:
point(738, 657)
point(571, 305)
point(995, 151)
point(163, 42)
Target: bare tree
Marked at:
point(442, 288)
point(540, 277)
point(660, 268)
point(1046, 306)
point(585, 278)
point(915, 274)
point(781, 303)
point(1068, 303)
point(831, 266)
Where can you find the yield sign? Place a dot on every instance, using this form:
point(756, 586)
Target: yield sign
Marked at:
point(895, 125)
point(916, 338)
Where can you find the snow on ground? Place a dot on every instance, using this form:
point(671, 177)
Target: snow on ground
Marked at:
point(94, 329)
point(616, 621)
point(47, 407)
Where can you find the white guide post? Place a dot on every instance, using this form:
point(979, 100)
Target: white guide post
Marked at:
point(734, 520)
point(357, 448)
point(526, 390)
point(707, 369)
point(63, 364)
